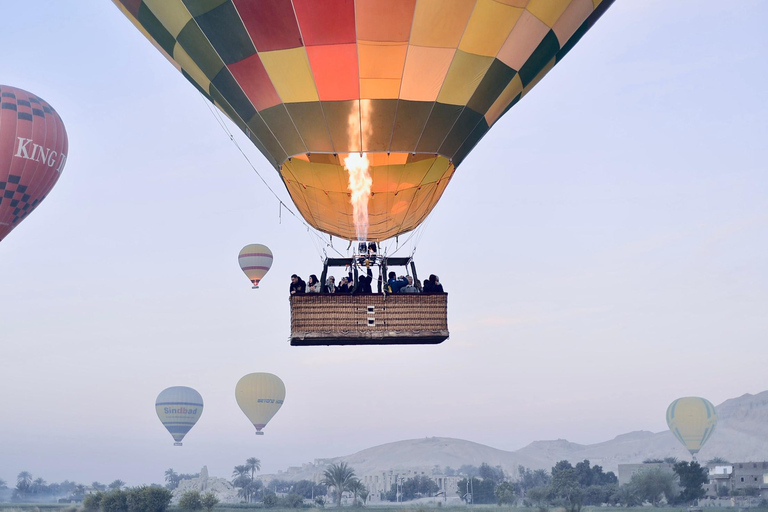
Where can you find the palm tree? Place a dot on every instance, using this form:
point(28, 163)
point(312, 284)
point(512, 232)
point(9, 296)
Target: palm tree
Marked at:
point(116, 485)
point(239, 471)
point(253, 464)
point(172, 479)
point(356, 487)
point(37, 485)
point(338, 476)
point(98, 486)
point(23, 481)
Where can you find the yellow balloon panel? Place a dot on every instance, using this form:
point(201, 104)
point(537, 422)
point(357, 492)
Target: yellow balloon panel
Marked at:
point(692, 420)
point(403, 194)
point(260, 396)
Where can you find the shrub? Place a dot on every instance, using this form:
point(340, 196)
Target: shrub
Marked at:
point(191, 500)
point(270, 500)
point(209, 501)
point(292, 500)
point(148, 499)
point(114, 501)
point(92, 501)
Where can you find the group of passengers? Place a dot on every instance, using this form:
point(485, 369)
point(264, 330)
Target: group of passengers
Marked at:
point(394, 284)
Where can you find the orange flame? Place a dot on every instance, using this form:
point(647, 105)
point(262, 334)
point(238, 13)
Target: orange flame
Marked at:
point(358, 167)
point(360, 182)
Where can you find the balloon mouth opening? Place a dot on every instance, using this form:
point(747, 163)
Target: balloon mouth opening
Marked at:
point(176, 444)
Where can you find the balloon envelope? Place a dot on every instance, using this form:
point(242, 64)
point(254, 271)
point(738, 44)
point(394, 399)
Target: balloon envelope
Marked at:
point(260, 396)
point(255, 260)
point(692, 420)
point(179, 408)
point(415, 84)
point(33, 151)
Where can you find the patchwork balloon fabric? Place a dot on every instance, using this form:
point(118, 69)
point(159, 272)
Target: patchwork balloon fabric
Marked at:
point(413, 83)
point(33, 151)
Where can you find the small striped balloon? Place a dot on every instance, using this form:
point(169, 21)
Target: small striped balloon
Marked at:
point(179, 408)
point(255, 260)
point(692, 420)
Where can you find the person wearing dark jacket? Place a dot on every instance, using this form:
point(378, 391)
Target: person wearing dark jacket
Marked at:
point(395, 284)
point(432, 285)
point(298, 286)
point(344, 286)
point(364, 283)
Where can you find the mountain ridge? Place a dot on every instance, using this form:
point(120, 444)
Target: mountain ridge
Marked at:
point(741, 435)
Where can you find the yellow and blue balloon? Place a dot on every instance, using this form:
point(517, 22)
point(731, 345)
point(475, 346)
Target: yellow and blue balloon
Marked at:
point(179, 408)
point(692, 420)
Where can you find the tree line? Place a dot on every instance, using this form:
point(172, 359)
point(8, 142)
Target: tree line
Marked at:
point(31, 489)
point(574, 486)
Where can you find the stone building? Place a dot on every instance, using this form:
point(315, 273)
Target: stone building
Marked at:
point(380, 482)
point(737, 478)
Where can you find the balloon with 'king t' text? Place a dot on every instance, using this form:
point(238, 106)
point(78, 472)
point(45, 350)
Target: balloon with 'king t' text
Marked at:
point(33, 151)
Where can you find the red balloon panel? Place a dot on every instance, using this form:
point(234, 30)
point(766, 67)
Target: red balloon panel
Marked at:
point(33, 151)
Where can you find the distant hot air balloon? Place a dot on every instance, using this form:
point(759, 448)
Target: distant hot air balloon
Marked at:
point(692, 420)
point(255, 260)
point(179, 408)
point(260, 396)
point(365, 107)
point(33, 151)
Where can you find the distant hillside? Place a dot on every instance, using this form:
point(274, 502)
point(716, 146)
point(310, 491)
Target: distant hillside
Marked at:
point(741, 435)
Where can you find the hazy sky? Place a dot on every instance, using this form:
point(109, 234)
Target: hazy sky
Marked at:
point(604, 248)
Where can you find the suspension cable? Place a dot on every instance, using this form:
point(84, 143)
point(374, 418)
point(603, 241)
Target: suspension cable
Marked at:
point(310, 230)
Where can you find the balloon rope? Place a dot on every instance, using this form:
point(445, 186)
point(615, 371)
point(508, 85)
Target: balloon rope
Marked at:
point(310, 229)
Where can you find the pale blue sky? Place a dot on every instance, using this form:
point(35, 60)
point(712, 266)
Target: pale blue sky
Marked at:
point(604, 248)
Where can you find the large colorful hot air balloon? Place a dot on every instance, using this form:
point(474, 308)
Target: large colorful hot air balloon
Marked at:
point(692, 420)
point(365, 107)
point(33, 151)
point(179, 408)
point(260, 396)
point(255, 260)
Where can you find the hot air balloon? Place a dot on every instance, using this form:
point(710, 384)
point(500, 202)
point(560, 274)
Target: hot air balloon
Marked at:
point(179, 408)
point(260, 396)
point(255, 260)
point(692, 420)
point(33, 151)
point(364, 107)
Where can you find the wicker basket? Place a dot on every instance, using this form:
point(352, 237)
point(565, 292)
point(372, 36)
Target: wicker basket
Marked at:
point(375, 319)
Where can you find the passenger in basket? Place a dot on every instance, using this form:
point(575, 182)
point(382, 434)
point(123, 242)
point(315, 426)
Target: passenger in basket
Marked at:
point(364, 283)
point(417, 284)
point(298, 286)
point(330, 285)
point(396, 283)
point(313, 285)
point(432, 285)
point(344, 286)
point(409, 288)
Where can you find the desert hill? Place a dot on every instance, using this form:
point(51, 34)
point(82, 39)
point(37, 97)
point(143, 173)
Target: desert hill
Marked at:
point(741, 435)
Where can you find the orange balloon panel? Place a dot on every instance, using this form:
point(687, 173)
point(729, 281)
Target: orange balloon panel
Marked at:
point(309, 81)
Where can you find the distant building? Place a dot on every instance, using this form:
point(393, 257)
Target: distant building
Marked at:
point(381, 482)
point(740, 478)
point(627, 471)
